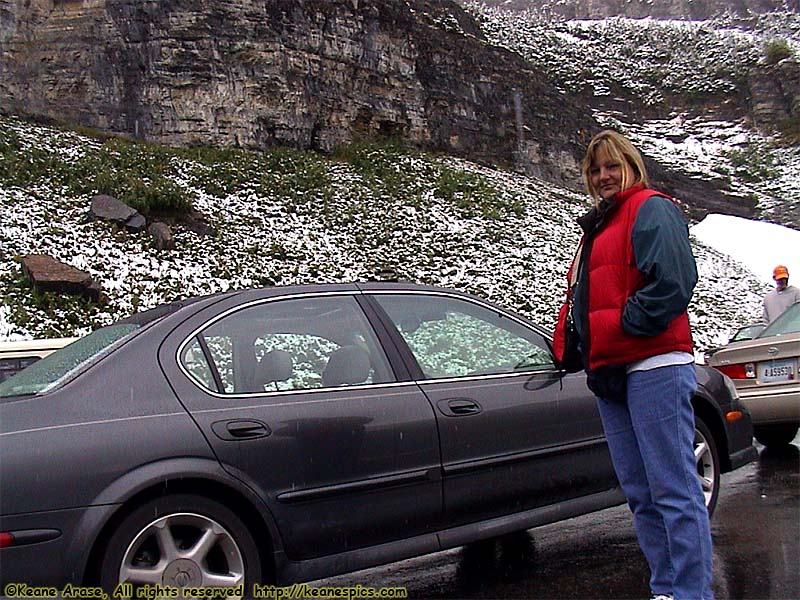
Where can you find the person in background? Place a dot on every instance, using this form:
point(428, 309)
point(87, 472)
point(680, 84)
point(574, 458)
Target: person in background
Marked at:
point(636, 275)
point(782, 297)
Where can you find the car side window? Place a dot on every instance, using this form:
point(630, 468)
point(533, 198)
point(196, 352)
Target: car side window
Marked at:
point(283, 345)
point(195, 362)
point(451, 337)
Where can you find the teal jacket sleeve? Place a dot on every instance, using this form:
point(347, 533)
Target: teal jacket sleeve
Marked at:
point(663, 254)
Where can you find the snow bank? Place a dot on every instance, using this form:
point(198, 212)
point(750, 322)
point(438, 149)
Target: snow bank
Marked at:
point(757, 245)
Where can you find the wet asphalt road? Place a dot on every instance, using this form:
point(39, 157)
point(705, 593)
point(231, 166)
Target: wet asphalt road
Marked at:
point(756, 531)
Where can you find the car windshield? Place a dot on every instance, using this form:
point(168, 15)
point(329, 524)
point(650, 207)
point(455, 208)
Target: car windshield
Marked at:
point(787, 322)
point(61, 364)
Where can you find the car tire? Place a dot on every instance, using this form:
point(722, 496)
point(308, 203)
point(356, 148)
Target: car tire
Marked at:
point(707, 460)
point(774, 436)
point(181, 541)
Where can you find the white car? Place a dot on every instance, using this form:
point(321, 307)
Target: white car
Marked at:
point(15, 356)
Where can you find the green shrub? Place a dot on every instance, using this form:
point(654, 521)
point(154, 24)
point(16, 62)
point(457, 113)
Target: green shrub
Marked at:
point(48, 314)
point(293, 174)
point(144, 175)
point(22, 166)
point(220, 171)
point(140, 175)
point(776, 50)
point(753, 164)
point(361, 154)
point(790, 131)
point(381, 166)
point(473, 195)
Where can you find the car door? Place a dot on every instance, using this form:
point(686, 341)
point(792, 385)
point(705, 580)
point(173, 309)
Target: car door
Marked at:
point(515, 434)
point(299, 400)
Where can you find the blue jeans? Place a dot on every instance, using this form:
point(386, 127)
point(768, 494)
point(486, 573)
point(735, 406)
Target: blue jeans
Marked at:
point(651, 439)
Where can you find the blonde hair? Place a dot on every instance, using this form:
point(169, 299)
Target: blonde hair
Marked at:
point(619, 149)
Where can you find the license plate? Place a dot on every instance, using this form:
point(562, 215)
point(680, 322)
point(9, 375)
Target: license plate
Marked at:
point(776, 370)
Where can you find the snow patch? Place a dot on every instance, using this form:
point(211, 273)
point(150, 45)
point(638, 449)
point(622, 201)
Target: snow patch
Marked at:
point(758, 245)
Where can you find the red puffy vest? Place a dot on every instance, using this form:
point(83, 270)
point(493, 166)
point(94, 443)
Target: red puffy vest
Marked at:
point(612, 278)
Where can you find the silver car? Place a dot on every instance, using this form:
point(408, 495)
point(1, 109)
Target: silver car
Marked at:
point(765, 372)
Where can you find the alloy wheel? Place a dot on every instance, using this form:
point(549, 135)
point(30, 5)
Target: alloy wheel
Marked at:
point(183, 550)
point(706, 468)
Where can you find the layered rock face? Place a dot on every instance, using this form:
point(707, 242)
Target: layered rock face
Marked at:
point(306, 73)
point(639, 9)
point(775, 94)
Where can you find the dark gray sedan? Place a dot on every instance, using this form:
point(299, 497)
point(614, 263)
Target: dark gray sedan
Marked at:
point(285, 434)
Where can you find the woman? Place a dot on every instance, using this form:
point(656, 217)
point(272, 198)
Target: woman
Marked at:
point(635, 275)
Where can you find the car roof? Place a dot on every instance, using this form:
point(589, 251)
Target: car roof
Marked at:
point(33, 347)
point(289, 290)
point(146, 316)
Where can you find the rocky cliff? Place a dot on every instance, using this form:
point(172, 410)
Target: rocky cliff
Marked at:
point(775, 95)
point(738, 65)
point(306, 73)
point(637, 9)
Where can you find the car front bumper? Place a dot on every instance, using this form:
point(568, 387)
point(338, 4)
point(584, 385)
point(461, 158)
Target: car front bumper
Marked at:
point(742, 457)
point(741, 449)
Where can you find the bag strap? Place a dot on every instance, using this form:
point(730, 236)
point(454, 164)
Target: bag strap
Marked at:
point(574, 268)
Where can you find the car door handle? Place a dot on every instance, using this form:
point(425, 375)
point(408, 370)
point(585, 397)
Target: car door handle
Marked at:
point(240, 429)
point(459, 407)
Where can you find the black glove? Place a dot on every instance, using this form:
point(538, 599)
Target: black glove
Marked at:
point(609, 383)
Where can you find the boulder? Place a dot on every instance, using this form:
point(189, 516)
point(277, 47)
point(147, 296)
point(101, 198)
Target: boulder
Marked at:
point(108, 208)
point(162, 236)
point(198, 223)
point(136, 224)
point(47, 274)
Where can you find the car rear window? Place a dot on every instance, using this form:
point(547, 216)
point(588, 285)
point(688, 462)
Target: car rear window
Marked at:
point(787, 322)
point(48, 372)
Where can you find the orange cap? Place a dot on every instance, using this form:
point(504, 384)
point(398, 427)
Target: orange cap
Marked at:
point(780, 272)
